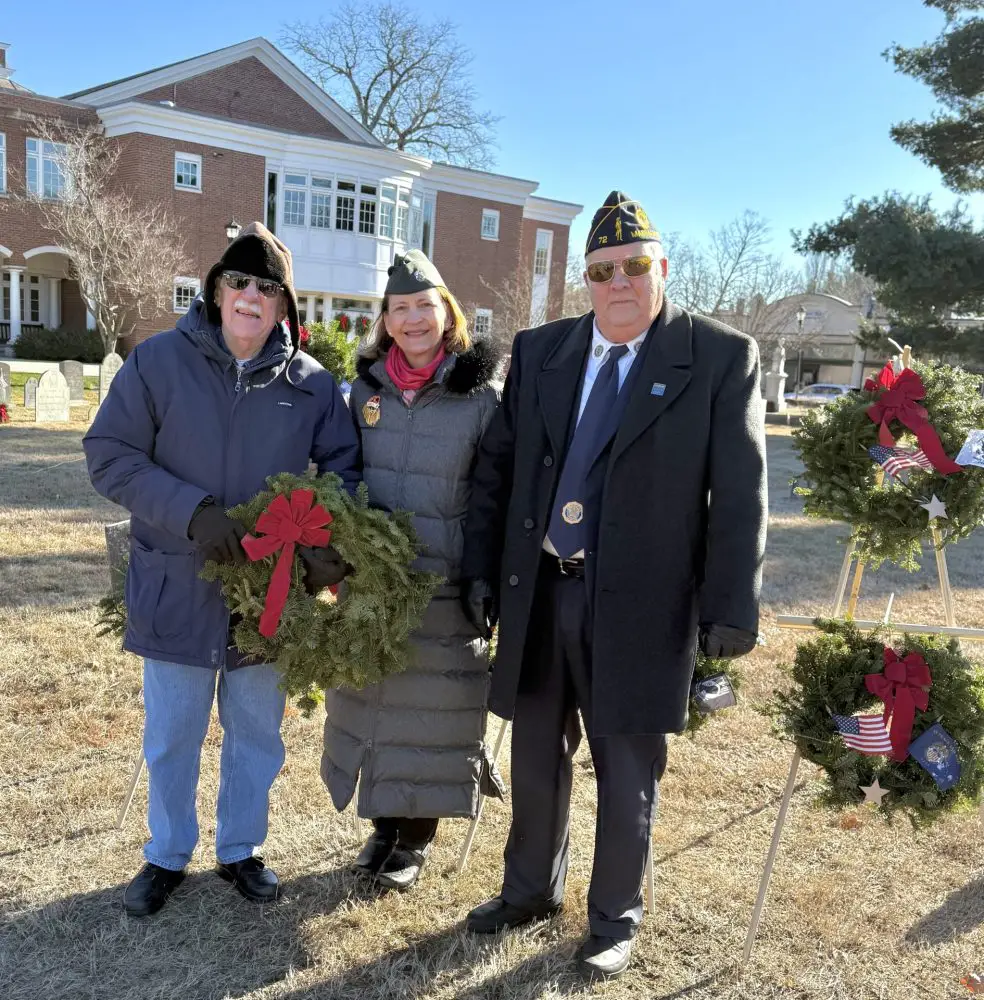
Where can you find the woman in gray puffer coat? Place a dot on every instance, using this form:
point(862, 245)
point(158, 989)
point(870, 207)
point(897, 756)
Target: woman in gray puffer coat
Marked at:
point(421, 404)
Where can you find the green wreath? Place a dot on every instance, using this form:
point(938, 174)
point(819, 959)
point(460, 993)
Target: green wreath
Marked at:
point(842, 481)
point(828, 678)
point(321, 642)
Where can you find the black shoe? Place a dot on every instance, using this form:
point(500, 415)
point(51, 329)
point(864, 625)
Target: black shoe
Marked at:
point(403, 867)
point(373, 856)
point(604, 957)
point(149, 891)
point(252, 878)
point(498, 915)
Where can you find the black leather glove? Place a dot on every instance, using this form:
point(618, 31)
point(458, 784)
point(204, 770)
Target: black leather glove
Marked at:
point(323, 567)
point(217, 534)
point(480, 605)
point(721, 642)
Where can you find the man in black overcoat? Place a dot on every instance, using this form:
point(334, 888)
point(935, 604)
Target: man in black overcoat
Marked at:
point(617, 520)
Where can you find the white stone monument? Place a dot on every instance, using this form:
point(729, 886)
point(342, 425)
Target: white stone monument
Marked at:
point(111, 364)
point(775, 381)
point(72, 370)
point(53, 399)
point(30, 393)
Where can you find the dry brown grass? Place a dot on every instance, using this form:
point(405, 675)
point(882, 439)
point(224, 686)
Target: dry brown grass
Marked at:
point(858, 909)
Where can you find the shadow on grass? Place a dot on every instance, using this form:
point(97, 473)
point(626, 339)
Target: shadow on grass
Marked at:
point(207, 942)
point(961, 913)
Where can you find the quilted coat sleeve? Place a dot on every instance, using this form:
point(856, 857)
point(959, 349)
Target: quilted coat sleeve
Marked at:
point(118, 449)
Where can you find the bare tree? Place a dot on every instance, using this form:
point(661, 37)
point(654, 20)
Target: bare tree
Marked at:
point(124, 255)
point(406, 81)
point(577, 300)
point(833, 275)
point(513, 308)
point(735, 278)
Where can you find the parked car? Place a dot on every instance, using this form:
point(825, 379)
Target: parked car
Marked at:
point(818, 393)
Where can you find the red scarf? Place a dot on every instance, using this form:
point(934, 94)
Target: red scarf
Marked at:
point(406, 378)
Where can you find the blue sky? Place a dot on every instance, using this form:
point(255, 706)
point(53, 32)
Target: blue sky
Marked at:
point(698, 109)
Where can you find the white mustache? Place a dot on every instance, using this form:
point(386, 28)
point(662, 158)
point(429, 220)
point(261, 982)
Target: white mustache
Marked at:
point(243, 306)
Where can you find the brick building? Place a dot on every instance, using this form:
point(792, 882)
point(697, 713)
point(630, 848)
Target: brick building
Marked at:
point(241, 134)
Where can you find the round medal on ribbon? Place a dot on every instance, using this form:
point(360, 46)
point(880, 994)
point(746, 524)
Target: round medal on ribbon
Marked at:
point(572, 512)
point(370, 411)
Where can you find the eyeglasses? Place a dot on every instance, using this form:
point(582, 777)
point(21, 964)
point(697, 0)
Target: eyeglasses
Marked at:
point(632, 267)
point(267, 287)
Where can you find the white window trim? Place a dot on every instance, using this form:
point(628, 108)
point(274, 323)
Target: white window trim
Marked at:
point(483, 314)
point(3, 165)
point(190, 158)
point(549, 252)
point(183, 282)
point(490, 213)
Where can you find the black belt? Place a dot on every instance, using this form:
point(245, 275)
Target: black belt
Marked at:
point(569, 567)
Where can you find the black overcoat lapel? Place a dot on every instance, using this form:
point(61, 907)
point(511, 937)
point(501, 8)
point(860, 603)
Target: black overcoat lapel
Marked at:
point(559, 382)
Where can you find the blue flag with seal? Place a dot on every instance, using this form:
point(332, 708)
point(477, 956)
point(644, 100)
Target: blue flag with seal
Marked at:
point(936, 751)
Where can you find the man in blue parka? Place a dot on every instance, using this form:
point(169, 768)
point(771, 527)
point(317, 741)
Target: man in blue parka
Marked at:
point(195, 421)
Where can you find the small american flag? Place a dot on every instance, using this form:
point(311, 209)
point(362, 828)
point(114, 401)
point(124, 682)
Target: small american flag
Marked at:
point(864, 733)
point(896, 460)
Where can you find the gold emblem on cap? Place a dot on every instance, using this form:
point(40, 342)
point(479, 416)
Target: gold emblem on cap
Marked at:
point(572, 512)
point(370, 411)
point(618, 230)
point(642, 217)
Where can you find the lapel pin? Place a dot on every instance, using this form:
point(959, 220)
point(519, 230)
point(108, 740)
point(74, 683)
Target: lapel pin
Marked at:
point(658, 389)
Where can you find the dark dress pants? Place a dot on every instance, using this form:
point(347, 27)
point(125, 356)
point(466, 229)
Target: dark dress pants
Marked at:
point(555, 682)
point(413, 833)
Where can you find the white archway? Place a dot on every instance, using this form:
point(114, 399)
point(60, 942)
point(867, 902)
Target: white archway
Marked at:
point(4, 252)
point(28, 254)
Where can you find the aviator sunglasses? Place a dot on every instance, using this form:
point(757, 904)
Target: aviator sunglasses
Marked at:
point(632, 267)
point(267, 287)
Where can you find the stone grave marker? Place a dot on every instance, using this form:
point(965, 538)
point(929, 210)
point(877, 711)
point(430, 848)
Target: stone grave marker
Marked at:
point(53, 399)
point(5, 393)
point(72, 370)
point(118, 554)
point(111, 364)
point(31, 393)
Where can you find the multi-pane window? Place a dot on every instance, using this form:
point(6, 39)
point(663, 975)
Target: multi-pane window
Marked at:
point(427, 233)
point(483, 322)
point(367, 209)
point(185, 290)
point(402, 215)
point(295, 200)
point(187, 172)
point(387, 211)
point(30, 298)
point(3, 163)
point(541, 255)
point(321, 202)
point(345, 206)
point(46, 168)
point(490, 224)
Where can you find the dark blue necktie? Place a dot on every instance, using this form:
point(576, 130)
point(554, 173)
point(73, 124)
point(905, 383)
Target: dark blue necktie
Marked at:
point(566, 531)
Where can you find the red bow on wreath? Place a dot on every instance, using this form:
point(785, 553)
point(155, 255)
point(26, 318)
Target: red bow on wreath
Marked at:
point(285, 524)
point(904, 687)
point(4, 416)
point(899, 402)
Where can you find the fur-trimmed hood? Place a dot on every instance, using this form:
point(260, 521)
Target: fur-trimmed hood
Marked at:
point(465, 374)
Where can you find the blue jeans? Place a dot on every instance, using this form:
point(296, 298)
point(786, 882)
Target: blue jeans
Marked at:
point(177, 702)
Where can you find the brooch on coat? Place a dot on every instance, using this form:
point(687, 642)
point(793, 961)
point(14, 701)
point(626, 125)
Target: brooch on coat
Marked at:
point(370, 411)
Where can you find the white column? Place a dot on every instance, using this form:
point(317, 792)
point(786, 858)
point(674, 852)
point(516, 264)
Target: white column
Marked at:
point(857, 367)
point(310, 310)
point(15, 309)
point(54, 303)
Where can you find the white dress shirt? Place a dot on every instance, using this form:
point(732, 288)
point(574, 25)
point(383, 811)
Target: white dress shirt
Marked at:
point(597, 356)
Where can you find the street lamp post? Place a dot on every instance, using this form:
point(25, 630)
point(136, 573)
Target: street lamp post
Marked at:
point(800, 320)
point(233, 229)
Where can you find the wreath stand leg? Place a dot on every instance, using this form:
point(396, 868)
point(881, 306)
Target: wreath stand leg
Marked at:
point(473, 826)
point(787, 794)
point(131, 789)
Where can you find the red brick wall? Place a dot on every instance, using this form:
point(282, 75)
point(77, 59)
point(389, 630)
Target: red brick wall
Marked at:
point(233, 184)
point(247, 91)
point(463, 257)
point(20, 224)
point(72, 307)
point(558, 261)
